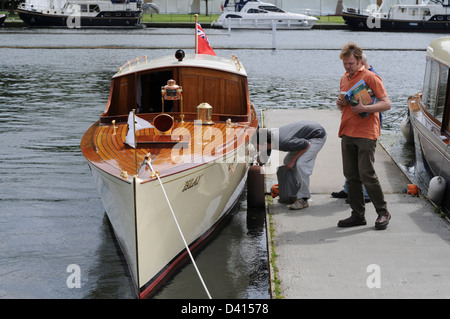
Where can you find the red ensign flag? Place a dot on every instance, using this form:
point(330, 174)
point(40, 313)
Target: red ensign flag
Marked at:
point(203, 44)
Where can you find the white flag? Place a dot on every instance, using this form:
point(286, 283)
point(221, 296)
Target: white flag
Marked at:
point(139, 124)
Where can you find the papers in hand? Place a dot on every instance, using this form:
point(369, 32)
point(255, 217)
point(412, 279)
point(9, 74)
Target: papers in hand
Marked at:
point(360, 91)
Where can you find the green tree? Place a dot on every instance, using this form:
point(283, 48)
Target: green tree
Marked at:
point(12, 5)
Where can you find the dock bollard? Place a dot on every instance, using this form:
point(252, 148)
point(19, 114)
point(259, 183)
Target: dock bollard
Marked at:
point(255, 187)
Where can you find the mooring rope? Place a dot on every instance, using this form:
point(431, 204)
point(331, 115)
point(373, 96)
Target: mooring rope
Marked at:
point(179, 229)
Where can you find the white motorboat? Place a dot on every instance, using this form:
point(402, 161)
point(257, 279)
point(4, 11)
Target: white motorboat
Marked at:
point(429, 15)
point(82, 13)
point(253, 14)
point(2, 19)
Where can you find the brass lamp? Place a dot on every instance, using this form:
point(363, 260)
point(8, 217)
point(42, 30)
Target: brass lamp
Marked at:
point(173, 92)
point(204, 113)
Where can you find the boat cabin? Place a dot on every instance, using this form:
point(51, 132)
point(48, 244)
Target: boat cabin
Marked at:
point(410, 12)
point(138, 85)
point(436, 85)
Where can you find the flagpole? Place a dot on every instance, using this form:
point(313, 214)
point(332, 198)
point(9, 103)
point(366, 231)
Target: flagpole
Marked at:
point(196, 33)
point(135, 142)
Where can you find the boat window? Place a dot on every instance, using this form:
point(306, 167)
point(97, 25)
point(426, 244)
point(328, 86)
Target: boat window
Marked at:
point(256, 11)
point(94, 8)
point(83, 7)
point(427, 12)
point(431, 85)
point(426, 80)
point(233, 16)
point(442, 89)
point(271, 8)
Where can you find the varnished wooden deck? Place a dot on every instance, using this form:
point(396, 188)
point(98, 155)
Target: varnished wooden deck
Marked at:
point(104, 146)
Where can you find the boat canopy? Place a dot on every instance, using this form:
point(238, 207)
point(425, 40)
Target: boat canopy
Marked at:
point(439, 49)
point(204, 78)
point(231, 65)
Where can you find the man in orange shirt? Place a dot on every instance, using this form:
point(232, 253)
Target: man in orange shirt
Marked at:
point(359, 139)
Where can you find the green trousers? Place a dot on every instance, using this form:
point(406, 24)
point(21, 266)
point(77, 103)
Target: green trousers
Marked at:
point(358, 158)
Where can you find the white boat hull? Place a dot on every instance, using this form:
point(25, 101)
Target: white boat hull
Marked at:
point(144, 225)
point(264, 23)
point(260, 15)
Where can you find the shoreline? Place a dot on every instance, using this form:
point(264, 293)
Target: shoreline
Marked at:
point(310, 257)
point(317, 26)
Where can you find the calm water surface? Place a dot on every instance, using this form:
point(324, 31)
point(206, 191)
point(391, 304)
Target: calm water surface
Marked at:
point(55, 84)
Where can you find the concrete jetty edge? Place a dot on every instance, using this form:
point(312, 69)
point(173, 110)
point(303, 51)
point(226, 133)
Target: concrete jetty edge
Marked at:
point(311, 258)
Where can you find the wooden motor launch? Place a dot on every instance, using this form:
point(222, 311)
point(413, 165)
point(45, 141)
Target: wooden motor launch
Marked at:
point(178, 127)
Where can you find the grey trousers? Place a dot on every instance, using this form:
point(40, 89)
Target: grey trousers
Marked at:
point(358, 158)
point(305, 164)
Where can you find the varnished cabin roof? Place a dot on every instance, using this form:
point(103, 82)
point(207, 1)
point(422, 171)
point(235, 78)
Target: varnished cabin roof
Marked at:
point(194, 60)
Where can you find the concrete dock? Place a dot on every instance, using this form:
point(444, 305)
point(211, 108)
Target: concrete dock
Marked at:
point(317, 259)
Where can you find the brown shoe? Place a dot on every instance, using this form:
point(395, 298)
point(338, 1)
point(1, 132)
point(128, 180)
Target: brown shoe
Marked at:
point(354, 220)
point(382, 221)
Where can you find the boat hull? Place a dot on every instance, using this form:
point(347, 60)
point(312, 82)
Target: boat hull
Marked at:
point(2, 19)
point(122, 19)
point(259, 15)
point(433, 150)
point(175, 172)
point(360, 22)
point(144, 226)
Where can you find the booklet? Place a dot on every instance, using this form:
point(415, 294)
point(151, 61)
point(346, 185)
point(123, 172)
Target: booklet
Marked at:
point(360, 91)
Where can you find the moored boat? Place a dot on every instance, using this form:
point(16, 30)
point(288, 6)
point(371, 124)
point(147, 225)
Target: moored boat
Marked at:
point(187, 165)
point(254, 14)
point(429, 15)
point(2, 19)
point(82, 13)
point(429, 116)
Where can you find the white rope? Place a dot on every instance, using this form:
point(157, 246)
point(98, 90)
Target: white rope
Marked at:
point(179, 229)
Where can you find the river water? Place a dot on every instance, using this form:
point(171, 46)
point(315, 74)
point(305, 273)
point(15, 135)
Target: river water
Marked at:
point(54, 84)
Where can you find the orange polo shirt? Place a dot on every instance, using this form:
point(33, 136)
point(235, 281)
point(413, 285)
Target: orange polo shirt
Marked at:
point(352, 124)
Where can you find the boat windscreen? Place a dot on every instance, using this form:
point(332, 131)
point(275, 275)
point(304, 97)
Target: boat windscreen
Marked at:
point(271, 9)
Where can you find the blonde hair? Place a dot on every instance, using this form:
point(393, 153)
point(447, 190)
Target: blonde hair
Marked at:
point(351, 48)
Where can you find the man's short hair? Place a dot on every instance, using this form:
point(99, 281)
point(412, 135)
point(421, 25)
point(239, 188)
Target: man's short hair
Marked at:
point(351, 48)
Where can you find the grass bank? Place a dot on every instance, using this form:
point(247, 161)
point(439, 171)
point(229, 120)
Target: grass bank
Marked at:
point(186, 18)
point(150, 18)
